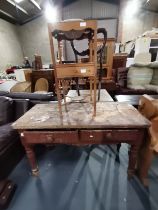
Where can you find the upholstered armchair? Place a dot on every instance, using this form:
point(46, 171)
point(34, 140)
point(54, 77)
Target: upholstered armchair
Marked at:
point(149, 108)
point(138, 79)
point(21, 87)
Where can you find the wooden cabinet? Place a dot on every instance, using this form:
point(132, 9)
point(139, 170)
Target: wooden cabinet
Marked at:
point(119, 60)
point(107, 57)
point(43, 73)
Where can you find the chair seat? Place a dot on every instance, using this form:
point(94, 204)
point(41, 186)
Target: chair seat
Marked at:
point(41, 92)
point(21, 87)
point(41, 85)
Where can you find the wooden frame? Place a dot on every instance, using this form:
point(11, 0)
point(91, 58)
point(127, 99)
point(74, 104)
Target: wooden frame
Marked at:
point(75, 70)
point(109, 50)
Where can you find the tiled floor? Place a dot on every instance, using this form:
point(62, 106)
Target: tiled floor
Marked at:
point(72, 180)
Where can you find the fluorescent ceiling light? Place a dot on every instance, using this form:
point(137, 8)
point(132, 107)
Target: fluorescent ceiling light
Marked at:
point(20, 8)
point(132, 9)
point(5, 13)
point(18, 1)
point(36, 4)
point(51, 13)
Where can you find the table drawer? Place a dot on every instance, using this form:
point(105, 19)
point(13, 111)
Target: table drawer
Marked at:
point(76, 71)
point(59, 137)
point(100, 136)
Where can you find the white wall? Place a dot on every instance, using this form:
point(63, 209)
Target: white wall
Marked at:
point(87, 9)
point(34, 39)
point(10, 48)
point(34, 35)
point(131, 28)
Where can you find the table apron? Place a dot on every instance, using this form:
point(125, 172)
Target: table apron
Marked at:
point(81, 137)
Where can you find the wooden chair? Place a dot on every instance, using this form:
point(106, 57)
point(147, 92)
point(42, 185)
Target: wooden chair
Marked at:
point(149, 108)
point(41, 85)
point(69, 31)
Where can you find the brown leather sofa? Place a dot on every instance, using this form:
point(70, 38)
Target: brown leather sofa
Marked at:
point(120, 79)
point(11, 150)
point(12, 106)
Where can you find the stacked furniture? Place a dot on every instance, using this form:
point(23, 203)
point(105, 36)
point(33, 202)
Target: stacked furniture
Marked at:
point(47, 74)
point(138, 79)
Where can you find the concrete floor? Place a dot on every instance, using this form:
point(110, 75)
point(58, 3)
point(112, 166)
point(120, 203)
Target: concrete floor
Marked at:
point(72, 180)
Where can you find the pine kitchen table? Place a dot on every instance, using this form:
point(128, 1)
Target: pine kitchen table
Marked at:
point(114, 123)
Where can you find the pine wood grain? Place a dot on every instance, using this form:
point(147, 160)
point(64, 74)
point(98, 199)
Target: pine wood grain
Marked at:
point(79, 115)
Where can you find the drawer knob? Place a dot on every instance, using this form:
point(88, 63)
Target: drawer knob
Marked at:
point(50, 138)
point(109, 135)
point(91, 136)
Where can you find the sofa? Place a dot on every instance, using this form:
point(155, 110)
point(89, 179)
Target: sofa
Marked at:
point(34, 98)
point(12, 106)
point(11, 150)
point(138, 79)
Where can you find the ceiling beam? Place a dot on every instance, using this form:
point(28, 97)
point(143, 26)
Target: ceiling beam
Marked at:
point(7, 14)
point(17, 6)
point(30, 19)
point(35, 3)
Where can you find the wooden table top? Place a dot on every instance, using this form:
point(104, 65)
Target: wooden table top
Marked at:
point(85, 94)
point(79, 116)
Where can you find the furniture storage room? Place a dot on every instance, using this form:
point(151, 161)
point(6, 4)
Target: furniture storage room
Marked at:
point(79, 104)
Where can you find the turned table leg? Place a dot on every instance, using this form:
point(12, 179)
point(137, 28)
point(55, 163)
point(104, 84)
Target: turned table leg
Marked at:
point(133, 154)
point(30, 155)
point(32, 159)
point(144, 161)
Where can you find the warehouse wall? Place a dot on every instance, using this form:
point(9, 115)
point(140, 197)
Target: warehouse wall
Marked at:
point(87, 9)
point(105, 12)
point(10, 48)
point(137, 25)
point(34, 35)
point(34, 39)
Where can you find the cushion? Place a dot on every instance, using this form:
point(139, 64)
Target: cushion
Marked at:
point(3, 93)
point(34, 96)
point(154, 65)
point(154, 80)
point(141, 65)
point(152, 87)
point(7, 136)
point(139, 76)
point(6, 110)
point(136, 87)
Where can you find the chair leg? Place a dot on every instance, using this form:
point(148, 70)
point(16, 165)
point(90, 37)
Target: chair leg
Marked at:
point(99, 89)
point(94, 100)
point(144, 162)
point(59, 98)
point(118, 147)
point(64, 85)
point(91, 89)
point(77, 87)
